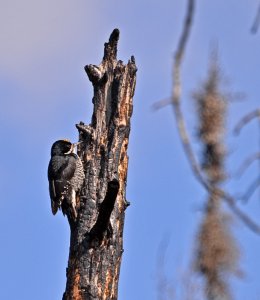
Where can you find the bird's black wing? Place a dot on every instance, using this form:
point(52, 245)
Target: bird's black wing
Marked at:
point(61, 169)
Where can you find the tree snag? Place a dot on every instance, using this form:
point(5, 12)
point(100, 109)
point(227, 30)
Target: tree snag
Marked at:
point(96, 243)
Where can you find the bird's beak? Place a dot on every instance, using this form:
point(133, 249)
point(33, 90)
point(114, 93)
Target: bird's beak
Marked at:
point(73, 146)
point(76, 144)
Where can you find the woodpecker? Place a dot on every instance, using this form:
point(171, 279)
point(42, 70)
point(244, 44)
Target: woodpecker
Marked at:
point(66, 176)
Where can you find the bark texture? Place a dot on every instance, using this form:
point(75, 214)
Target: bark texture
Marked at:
point(96, 244)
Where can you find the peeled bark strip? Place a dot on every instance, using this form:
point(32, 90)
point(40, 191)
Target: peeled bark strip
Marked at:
point(96, 244)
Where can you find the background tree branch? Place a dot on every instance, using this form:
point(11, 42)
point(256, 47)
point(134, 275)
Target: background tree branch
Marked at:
point(183, 133)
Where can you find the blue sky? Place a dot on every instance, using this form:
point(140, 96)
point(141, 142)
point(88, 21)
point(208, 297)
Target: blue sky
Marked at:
point(44, 92)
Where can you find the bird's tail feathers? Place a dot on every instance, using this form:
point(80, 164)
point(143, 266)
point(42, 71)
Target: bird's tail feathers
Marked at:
point(68, 206)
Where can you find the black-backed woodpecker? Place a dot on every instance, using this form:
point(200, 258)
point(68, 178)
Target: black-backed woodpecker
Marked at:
point(66, 176)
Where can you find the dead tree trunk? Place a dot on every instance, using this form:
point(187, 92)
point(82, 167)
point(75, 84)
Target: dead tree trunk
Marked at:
point(96, 244)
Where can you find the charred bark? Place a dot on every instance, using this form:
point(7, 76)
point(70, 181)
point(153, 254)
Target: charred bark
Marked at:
point(96, 244)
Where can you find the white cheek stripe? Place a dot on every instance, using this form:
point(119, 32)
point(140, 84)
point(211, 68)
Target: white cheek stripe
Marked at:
point(71, 149)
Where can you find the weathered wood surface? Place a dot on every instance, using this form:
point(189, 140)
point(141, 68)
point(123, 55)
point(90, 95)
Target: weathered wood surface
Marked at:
point(96, 244)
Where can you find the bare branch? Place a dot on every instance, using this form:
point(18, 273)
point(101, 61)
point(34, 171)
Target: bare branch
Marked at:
point(246, 119)
point(180, 51)
point(247, 163)
point(255, 25)
point(176, 93)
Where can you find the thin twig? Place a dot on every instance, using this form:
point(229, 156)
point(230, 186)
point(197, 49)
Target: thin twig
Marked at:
point(247, 163)
point(251, 189)
point(176, 93)
point(259, 147)
point(161, 103)
point(162, 283)
point(255, 25)
point(235, 97)
point(180, 51)
point(246, 119)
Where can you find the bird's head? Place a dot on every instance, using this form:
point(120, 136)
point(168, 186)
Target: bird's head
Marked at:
point(62, 147)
